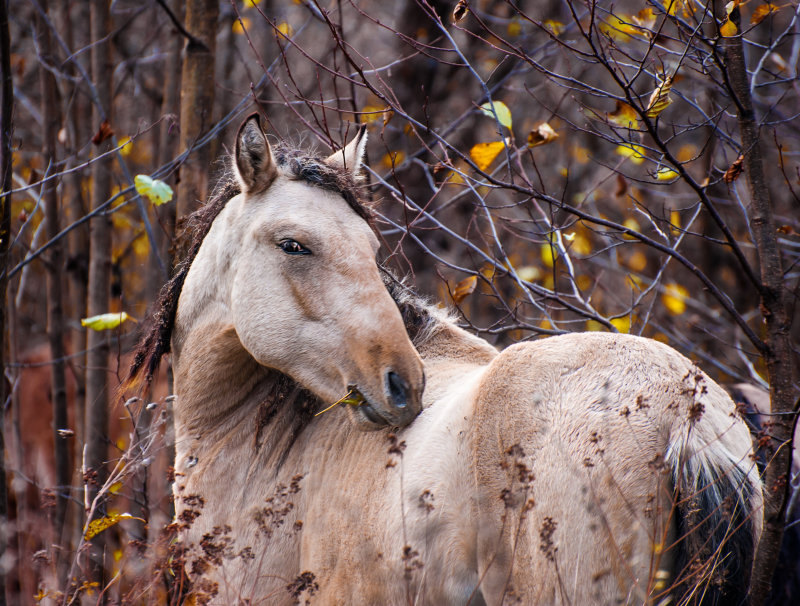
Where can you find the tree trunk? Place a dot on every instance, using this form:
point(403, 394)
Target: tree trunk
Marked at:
point(78, 258)
point(51, 112)
point(167, 150)
point(6, 108)
point(197, 100)
point(779, 356)
point(99, 296)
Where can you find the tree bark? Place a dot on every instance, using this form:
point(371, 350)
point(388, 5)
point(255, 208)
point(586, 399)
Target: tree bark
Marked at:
point(99, 295)
point(78, 258)
point(168, 140)
point(51, 113)
point(6, 109)
point(778, 355)
point(197, 101)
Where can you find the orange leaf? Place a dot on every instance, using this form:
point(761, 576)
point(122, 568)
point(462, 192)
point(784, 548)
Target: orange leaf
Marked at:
point(483, 154)
point(624, 115)
point(728, 29)
point(734, 170)
point(762, 12)
point(464, 288)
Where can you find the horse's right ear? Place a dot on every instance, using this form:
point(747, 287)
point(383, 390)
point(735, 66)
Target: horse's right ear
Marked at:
point(255, 166)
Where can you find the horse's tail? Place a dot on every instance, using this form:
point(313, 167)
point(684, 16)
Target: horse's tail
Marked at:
point(719, 504)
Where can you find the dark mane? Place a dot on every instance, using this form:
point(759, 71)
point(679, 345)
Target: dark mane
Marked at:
point(157, 330)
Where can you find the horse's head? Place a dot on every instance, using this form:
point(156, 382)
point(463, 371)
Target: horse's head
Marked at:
point(307, 297)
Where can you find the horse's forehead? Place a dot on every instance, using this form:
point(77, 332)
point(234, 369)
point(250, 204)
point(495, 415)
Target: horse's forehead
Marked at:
point(289, 201)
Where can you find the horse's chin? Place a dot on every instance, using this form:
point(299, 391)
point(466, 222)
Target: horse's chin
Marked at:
point(368, 418)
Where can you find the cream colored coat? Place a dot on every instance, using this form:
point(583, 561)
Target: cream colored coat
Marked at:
point(543, 474)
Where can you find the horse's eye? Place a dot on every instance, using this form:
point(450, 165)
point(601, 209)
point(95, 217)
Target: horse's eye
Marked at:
point(291, 247)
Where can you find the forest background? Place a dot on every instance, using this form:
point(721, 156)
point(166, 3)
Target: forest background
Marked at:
point(539, 166)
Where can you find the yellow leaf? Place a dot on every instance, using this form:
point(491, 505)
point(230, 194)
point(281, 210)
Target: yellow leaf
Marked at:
point(502, 111)
point(106, 321)
point(619, 29)
point(633, 152)
point(154, 190)
point(464, 288)
point(633, 225)
point(117, 555)
point(483, 154)
point(645, 18)
point(548, 255)
point(141, 245)
point(594, 326)
point(393, 159)
point(240, 25)
point(584, 282)
point(99, 525)
point(580, 245)
point(684, 6)
point(660, 100)
point(555, 27)
point(762, 12)
point(542, 135)
point(638, 261)
point(514, 28)
point(622, 324)
point(674, 298)
point(624, 115)
point(115, 488)
point(373, 113)
point(126, 146)
point(675, 219)
point(666, 174)
point(285, 29)
point(728, 29)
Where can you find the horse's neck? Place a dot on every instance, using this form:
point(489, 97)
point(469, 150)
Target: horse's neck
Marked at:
point(221, 388)
point(451, 353)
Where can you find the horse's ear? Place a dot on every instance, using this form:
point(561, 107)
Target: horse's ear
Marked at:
point(255, 166)
point(352, 156)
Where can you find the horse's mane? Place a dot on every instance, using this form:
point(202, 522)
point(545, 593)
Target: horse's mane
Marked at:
point(156, 333)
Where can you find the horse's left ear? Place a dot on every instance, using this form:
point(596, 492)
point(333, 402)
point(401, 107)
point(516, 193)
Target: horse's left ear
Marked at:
point(255, 165)
point(352, 156)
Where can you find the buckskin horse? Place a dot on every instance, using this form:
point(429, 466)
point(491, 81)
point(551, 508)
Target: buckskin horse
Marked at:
point(577, 469)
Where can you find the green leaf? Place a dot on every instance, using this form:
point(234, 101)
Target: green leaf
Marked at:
point(154, 190)
point(502, 111)
point(105, 321)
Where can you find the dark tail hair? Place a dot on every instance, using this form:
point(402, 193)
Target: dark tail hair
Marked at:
point(716, 521)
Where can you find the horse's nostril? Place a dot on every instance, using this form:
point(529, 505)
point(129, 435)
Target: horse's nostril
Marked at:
point(398, 389)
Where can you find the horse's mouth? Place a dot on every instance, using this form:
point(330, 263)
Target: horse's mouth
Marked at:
point(362, 404)
point(372, 415)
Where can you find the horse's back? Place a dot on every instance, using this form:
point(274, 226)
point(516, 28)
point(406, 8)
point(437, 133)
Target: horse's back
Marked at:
point(573, 439)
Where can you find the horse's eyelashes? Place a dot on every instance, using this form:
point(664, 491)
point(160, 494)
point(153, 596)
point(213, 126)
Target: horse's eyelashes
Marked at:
point(293, 247)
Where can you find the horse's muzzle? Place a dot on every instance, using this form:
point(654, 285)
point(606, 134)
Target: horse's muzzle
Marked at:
point(404, 402)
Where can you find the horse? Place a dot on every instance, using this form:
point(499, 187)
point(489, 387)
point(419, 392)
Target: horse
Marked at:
point(588, 468)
